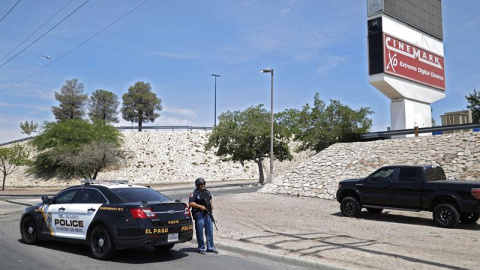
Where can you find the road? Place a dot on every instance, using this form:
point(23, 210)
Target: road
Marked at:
point(15, 254)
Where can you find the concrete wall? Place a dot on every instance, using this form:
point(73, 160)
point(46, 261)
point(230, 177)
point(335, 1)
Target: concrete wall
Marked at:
point(458, 154)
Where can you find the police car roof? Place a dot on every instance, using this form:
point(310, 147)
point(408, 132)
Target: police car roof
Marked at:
point(110, 184)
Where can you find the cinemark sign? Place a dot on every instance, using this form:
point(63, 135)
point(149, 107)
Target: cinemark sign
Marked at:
point(410, 62)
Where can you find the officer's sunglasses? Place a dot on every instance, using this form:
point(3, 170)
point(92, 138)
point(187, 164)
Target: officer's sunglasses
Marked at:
point(202, 184)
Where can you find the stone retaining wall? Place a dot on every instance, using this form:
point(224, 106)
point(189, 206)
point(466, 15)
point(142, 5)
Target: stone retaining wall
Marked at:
point(158, 157)
point(458, 154)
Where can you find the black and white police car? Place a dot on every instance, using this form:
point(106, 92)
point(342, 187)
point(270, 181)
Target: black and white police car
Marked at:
point(108, 216)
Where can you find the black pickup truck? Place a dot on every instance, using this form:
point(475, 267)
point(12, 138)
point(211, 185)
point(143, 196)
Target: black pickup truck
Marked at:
point(412, 188)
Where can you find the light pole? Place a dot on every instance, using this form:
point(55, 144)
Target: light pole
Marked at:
point(215, 109)
point(270, 176)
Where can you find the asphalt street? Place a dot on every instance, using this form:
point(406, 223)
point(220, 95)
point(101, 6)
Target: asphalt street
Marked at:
point(56, 255)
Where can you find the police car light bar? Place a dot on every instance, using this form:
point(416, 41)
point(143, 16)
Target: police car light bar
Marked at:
point(106, 182)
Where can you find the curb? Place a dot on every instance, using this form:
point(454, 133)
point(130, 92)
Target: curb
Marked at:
point(213, 186)
point(17, 202)
point(308, 263)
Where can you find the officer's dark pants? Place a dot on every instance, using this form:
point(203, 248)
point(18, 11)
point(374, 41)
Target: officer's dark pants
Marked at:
point(204, 222)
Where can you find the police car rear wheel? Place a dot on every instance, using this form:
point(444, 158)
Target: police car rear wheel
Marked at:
point(29, 231)
point(101, 244)
point(164, 247)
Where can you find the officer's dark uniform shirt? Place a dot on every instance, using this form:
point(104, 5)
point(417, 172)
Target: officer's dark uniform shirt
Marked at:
point(198, 197)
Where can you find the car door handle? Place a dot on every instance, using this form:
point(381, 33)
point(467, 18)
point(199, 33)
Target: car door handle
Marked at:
point(91, 210)
point(61, 209)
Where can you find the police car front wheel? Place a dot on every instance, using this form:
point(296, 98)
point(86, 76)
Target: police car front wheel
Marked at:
point(101, 244)
point(29, 231)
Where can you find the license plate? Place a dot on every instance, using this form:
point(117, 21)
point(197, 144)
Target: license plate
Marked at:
point(172, 237)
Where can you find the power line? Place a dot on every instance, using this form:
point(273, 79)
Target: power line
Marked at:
point(44, 33)
point(35, 31)
point(10, 10)
point(63, 55)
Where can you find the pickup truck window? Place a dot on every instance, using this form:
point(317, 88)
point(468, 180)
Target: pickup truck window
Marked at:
point(409, 175)
point(383, 175)
point(434, 174)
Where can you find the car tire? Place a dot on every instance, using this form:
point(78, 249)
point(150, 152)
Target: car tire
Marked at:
point(28, 230)
point(374, 210)
point(446, 215)
point(469, 218)
point(101, 244)
point(164, 248)
point(350, 207)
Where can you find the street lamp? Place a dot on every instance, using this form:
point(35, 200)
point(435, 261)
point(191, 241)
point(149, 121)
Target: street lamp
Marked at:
point(215, 110)
point(270, 176)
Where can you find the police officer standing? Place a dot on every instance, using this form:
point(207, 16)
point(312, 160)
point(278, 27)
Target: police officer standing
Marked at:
point(201, 203)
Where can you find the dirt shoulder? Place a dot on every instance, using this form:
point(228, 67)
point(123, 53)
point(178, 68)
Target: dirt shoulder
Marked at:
point(315, 229)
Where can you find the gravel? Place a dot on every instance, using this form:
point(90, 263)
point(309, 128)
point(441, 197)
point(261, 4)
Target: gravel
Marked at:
point(314, 229)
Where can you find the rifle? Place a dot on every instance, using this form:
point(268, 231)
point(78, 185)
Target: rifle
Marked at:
point(208, 205)
point(210, 213)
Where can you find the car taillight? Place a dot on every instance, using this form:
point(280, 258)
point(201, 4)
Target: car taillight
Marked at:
point(476, 193)
point(187, 211)
point(142, 213)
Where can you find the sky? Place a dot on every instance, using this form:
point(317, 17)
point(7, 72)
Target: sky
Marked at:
point(314, 46)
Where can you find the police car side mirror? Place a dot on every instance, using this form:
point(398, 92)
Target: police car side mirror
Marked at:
point(46, 200)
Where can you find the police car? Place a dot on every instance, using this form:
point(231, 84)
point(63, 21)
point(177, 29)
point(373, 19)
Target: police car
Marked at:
point(108, 216)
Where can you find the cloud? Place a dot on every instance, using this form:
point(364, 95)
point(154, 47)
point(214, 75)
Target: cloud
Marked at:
point(285, 11)
point(179, 111)
point(169, 116)
point(31, 91)
point(22, 105)
point(173, 55)
point(161, 121)
point(331, 63)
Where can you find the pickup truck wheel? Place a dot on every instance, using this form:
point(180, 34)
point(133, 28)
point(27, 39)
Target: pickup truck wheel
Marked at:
point(469, 218)
point(374, 210)
point(350, 207)
point(446, 215)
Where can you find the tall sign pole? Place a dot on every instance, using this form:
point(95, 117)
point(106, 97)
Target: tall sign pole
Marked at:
point(406, 58)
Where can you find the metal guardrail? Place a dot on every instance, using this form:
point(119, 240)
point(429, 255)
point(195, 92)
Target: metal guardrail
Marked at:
point(365, 136)
point(17, 141)
point(438, 130)
point(173, 128)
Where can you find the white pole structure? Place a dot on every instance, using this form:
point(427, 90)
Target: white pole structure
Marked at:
point(270, 176)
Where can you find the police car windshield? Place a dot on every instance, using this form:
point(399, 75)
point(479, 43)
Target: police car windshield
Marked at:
point(139, 195)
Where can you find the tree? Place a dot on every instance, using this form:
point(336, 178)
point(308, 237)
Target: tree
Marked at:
point(474, 105)
point(103, 105)
point(72, 101)
point(321, 126)
point(70, 148)
point(140, 104)
point(28, 128)
point(11, 158)
point(245, 135)
point(91, 158)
